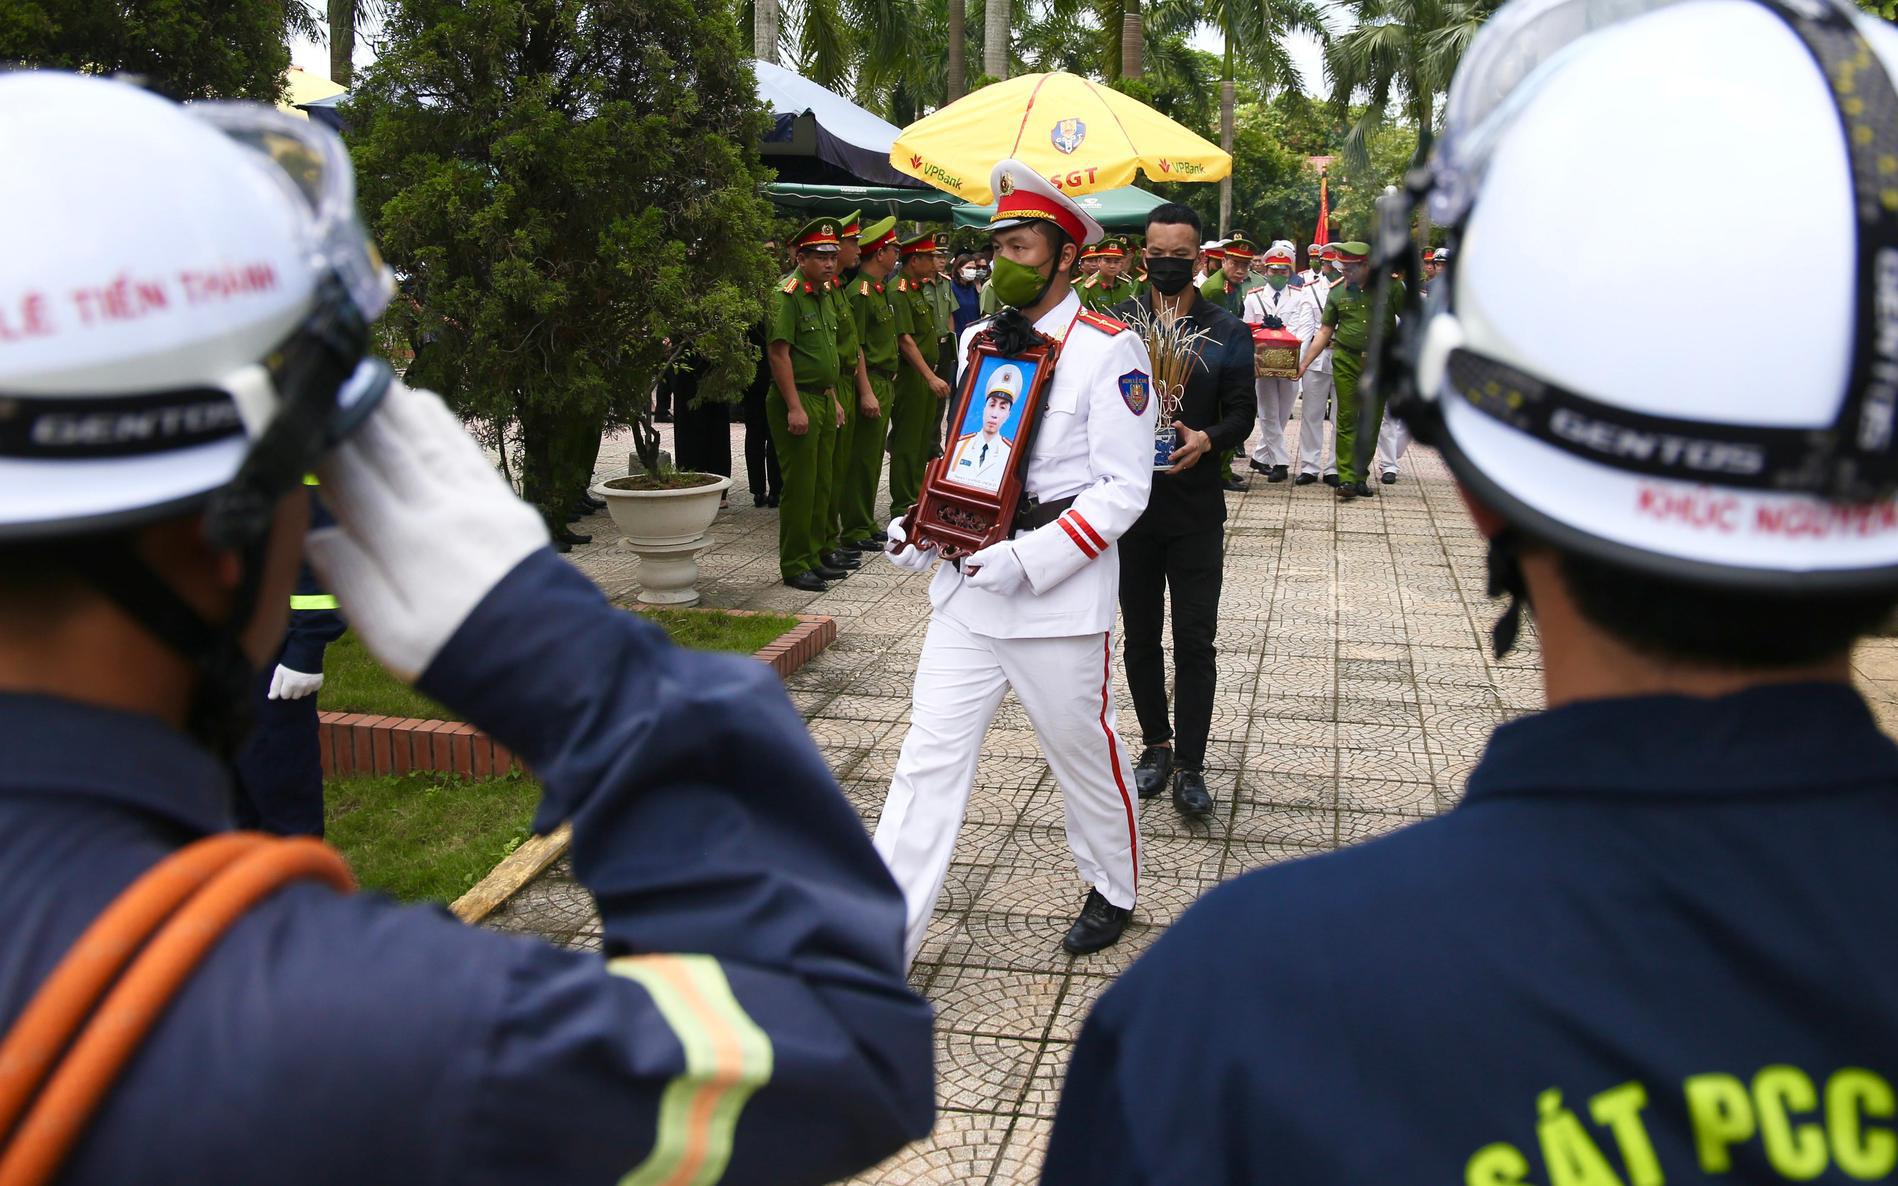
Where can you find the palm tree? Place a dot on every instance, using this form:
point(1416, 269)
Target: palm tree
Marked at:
point(1401, 55)
point(346, 17)
point(958, 80)
point(995, 33)
point(1258, 29)
point(764, 30)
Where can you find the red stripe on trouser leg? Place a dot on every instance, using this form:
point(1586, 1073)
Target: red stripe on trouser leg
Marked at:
point(1087, 549)
point(1099, 543)
point(1113, 757)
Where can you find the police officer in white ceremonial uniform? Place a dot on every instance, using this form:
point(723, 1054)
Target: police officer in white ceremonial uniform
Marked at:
point(1315, 390)
point(1275, 304)
point(981, 458)
point(1036, 612)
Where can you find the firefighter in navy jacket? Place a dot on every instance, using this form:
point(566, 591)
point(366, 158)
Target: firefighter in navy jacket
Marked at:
point(748, 1020)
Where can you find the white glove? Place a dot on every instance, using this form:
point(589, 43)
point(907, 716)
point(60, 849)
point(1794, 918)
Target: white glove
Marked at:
point(996, 569)
point(286, 684)
point(903, 555)
point(425, 527)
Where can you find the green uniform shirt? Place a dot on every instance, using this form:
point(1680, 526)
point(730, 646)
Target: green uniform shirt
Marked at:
point(942, 302)
point(847, 347)
point(915, 316)
point(1100, 296)
point(1230, 297)
point(875, 316)
point(986, 302)
point(1348, 312)
point(805, 316)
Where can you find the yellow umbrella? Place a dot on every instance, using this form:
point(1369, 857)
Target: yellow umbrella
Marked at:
point(1081, 135)
point(304, 86)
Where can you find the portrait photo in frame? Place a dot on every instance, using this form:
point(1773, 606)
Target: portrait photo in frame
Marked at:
point(971, 493)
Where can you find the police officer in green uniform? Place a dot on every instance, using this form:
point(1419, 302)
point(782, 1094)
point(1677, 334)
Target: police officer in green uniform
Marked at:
point(1346, 328)
point(875, 315)
point(1110, 285)
point(1226, 287)
point(853, 387)
point(918, 386)
point(942, 298)
point(802, 347)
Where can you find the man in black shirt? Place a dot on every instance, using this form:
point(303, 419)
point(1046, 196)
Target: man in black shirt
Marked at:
point(1178, 544)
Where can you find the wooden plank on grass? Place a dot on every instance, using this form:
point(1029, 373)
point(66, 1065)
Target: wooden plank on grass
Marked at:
point(516, 869)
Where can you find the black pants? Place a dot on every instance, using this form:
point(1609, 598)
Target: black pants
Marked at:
point(280, 767)
point(1152, 564)
point(762, 472)
point(702, 436)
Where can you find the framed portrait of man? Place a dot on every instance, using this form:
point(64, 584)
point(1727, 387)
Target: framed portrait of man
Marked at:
point(970, 493)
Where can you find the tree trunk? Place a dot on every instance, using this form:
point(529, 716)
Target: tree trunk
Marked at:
point(995, 30)
point(342, 15)
point(1133, 45)
point(958, 49)
point(1225, 142)
point(764, 30)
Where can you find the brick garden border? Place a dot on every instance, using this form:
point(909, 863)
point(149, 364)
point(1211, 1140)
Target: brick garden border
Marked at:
point(362, 743)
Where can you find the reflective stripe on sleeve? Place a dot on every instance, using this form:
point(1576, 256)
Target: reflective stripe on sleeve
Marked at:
point(312, 601)
point(727, 1057)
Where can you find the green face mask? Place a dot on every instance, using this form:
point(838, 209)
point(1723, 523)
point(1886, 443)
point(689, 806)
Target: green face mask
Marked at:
point(1277, 282)
point(1017, 285)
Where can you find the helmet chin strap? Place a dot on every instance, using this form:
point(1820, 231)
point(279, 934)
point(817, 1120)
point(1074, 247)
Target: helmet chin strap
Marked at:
point(219, 715)
point(1505, 580)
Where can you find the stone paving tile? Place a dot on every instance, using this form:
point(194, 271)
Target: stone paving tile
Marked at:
point(1356, 691)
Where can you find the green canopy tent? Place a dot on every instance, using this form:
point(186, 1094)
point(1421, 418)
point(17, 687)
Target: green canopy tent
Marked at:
point(1123, 209)
point(923, 205)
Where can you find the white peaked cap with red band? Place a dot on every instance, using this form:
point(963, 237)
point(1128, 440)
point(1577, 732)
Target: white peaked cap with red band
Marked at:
point(1023, 196)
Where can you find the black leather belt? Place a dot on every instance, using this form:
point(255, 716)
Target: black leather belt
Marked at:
point(1031, 514)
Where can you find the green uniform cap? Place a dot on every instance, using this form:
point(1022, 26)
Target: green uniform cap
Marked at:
point(819, 234)
point(873, 235)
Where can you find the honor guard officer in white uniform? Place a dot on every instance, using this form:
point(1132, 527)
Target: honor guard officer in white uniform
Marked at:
point(747, 1020)
point(980, 458)
point(1277, 304)
point(1316, 391)
point(1652, 945)
point(1036, 612)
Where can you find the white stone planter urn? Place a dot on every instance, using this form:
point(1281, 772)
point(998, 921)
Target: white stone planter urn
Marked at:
point(666, 530)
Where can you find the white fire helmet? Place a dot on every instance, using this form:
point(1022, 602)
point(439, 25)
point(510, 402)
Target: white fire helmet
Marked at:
point(180, 280)
point(1726, 424)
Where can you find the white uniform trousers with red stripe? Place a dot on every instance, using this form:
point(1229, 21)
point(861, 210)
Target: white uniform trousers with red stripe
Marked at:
point(1062, 684)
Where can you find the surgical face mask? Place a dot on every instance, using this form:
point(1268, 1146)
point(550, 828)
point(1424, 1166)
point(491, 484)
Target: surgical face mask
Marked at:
point(1169, 274)
point(972, 275)
point(1018, 285)
point(1277, 279)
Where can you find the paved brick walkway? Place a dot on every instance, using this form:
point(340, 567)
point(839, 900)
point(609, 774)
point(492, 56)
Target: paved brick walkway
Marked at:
point(1355, 693)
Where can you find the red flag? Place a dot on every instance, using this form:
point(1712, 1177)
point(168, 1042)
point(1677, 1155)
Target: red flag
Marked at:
point(1322, 235)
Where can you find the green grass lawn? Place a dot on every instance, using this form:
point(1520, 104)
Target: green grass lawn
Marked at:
point(429, 836)
point(426, 836)
point(355, 682)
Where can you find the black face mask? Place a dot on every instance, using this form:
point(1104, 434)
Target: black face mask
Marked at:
point(1169, 274)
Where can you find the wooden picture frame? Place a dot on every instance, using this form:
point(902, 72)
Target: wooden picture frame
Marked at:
point(971, 493)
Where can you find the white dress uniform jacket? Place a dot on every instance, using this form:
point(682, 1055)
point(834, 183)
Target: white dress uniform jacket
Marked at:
point(1093, 443)
point(971, 465)
point(1302, 313)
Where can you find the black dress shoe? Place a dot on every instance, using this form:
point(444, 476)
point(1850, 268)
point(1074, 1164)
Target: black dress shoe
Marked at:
point(842, 559)
point(1389, 478)
point(810, 582)
point(758, 500)
point(1347, 491)
point(580, 510)
point(831, 574)
point(863, 545)
point(587, 500)
point(1190, 795)
point(560, 546)
point(1279, 473)
point(771, 501)
point(1331, 479)
point(1304, 479)
point(1235, 484)
point(567, 535)
point(880, 537)
point(1260, 467)
point(1099, 926)
point(1150, 772)
point(1365, 491)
